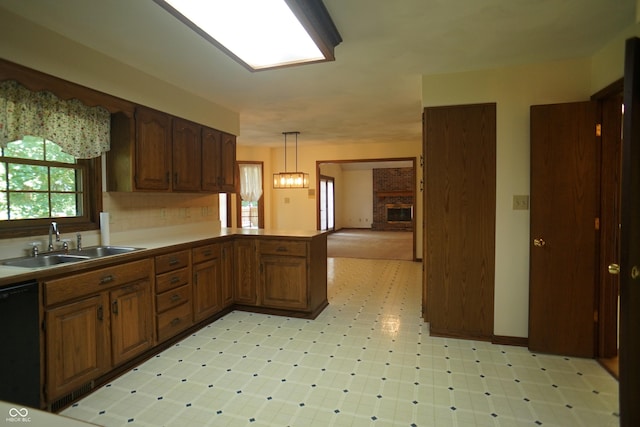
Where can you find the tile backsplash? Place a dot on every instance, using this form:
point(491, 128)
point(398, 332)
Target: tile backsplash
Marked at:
point(133, 212)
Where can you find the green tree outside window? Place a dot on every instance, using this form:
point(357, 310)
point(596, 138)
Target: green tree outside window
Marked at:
point(38, 180)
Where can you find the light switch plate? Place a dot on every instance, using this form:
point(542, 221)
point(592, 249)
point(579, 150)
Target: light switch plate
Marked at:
point(520, 202)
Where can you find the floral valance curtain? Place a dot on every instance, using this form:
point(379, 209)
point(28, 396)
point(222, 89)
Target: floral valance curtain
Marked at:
point(79, 130)
point(250, 182)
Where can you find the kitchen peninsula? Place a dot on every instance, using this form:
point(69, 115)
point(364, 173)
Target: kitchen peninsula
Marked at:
point(128, 307)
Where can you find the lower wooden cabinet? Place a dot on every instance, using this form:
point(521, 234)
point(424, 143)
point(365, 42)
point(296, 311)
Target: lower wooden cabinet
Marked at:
point(245, 286)
point(173, 293)
point(293, 274)
point(131, 320)
point(78, 344)
point(99, 319)
point(207, 277)
point(95, 321)
point(283, 281)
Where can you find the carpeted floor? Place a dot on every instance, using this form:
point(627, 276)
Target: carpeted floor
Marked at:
point(369, 244)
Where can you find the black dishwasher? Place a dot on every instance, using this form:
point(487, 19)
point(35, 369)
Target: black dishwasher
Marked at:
point(20, 344)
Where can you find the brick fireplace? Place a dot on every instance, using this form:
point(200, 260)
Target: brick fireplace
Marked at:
point(393, 200)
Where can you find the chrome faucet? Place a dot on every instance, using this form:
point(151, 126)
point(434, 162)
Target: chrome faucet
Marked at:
point(53, 229)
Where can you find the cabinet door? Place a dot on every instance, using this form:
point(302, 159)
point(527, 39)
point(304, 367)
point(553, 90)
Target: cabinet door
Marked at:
point(131, 320)
point(227, 274)
point(153, 150)
point(245, 279)
point(211, 142)
point(77, 337)
point(186, 155)
point(227, 163)
point(206, 289)
point(283, 281)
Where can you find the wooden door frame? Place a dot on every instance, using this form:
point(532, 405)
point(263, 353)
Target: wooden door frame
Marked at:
point(392, 159)
point(607, 286)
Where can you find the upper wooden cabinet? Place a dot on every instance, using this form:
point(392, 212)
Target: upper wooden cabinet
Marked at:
point(218, 161)
point(187, 149)
point(154, 151)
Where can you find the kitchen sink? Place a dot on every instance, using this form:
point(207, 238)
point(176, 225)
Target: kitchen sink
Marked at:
point(46, 260)
point(52, 259)
point(102, 251)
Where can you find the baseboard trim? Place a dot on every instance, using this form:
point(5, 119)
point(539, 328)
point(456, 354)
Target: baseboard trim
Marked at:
point(506, 340)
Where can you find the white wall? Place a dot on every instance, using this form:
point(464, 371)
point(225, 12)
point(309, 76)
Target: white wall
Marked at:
point(358, 205)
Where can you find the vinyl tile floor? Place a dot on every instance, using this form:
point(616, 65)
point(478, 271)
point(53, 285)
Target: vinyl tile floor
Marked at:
point(367, 360)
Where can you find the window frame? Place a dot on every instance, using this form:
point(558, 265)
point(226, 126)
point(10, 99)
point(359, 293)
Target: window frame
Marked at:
point(92, 202)
point(239, 199)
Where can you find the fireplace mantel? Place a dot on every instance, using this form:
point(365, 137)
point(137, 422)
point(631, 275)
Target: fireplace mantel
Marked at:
point(382, 194)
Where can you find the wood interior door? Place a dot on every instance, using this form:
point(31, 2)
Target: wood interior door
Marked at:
point(460, 201)
point(630, 242)
point(564, 209)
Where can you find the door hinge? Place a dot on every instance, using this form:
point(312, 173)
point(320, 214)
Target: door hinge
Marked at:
point(597, 224)
point(598, 129)
point(595, 316)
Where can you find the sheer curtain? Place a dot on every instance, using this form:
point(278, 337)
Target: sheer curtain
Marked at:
point(79, 130)
point(250, 182)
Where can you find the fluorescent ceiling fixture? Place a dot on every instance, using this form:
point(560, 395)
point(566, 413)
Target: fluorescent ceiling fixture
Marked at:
point(260, 34)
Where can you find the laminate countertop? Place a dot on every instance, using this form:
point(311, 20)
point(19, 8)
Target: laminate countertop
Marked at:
point(150, 241)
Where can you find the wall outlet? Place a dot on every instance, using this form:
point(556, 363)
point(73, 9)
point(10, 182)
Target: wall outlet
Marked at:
point(520, 202)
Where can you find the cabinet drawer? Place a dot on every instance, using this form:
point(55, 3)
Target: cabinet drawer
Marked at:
point(173, 321)
point(283, 247)
point(77, 285)
point(172, 261)
point(172, 279)
point(173, 298)
point(207, 252)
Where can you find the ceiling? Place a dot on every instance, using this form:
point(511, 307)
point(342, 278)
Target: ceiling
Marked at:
point(372, 91)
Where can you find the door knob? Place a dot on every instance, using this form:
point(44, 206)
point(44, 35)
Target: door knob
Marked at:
point(614, 269)
point(539, 243)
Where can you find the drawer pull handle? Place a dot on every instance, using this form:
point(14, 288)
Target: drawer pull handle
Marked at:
point(207, 252)
point(114, 307)
point(107, 279)
point(100, 313)
point(173, 261)
point(175, 279)
point(175, 298)
point(175, 321)
point(281, 249)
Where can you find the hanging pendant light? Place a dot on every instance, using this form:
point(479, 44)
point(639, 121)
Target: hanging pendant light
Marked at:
point(290, 179)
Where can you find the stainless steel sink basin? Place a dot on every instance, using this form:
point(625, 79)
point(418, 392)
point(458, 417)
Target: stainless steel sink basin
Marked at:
point(51, 259)
point(102, 251)
point(46, 260)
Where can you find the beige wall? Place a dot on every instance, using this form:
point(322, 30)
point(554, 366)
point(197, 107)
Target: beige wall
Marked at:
point(295, 209)
point(608, 62)
point(34, 47)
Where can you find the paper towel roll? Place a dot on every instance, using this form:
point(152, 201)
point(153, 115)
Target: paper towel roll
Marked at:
point(104, 228)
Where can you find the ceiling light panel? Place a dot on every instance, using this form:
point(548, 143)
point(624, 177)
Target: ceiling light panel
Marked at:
point(262, 34)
